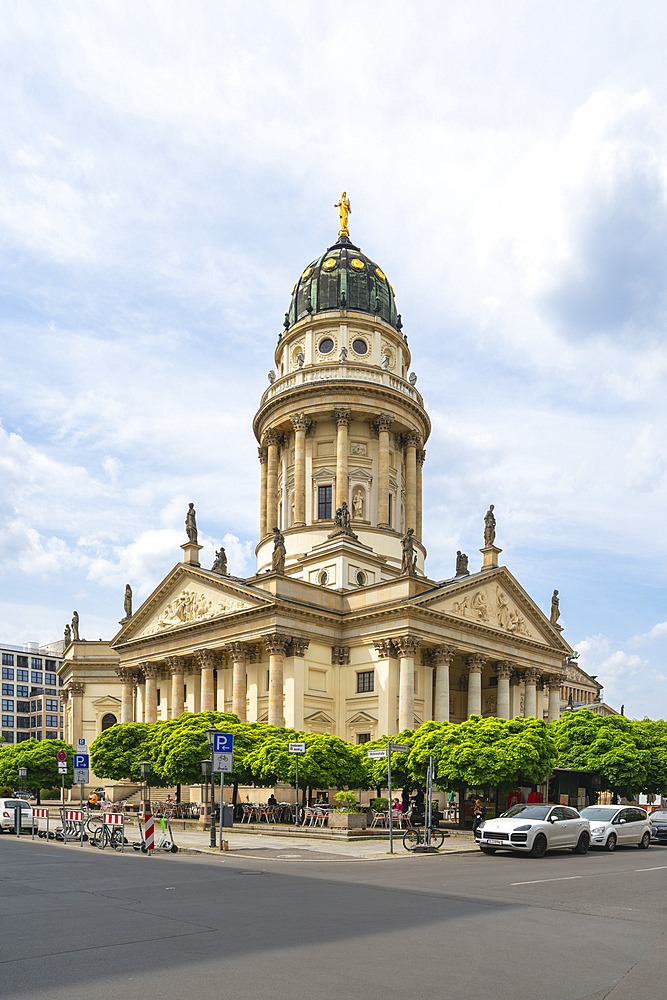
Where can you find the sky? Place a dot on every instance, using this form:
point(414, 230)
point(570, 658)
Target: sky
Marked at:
point(167, 170)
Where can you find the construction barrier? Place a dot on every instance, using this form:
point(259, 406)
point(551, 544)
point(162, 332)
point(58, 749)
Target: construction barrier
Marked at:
point(149, 832)
point(38, 814)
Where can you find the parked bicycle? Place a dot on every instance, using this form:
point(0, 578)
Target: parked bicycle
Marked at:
point(415, 836)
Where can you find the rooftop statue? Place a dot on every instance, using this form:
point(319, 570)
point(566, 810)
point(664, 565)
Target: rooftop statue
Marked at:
point(127, 603)
point(344, 211)
point(461, 563)
point(75, 626)
point(279, 552)
point(68, 635)
point(220, 562)
point(409, 559)
point(342, 519)
point(555, 608)
point(489, 527)
point(191, 523)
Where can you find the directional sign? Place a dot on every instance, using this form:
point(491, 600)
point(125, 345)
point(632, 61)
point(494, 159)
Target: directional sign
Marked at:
point(81, 760)
point(81, 775)
point(377, 754)
point(62, 755)
point(296, 747)
point(223, 763)
point(223, 743)
point(398, 748)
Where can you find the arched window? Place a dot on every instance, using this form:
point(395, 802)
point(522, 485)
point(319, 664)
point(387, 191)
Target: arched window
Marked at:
point(108, 721)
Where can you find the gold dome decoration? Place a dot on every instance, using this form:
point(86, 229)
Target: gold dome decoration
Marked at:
point(380, 275)
point(307, 273)
point(358, 264)
point(294, 289)
point(329, 263)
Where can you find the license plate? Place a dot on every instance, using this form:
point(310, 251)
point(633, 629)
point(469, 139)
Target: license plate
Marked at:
point(493, 842)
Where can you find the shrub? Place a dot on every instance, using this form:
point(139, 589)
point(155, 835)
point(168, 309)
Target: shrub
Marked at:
point(347, 801)
point(380, 805)
point(50, 794)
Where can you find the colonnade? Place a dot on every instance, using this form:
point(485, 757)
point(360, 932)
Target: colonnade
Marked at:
point(269, 456)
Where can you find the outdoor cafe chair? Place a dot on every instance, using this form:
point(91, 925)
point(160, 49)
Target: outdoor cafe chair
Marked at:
point(379, 818)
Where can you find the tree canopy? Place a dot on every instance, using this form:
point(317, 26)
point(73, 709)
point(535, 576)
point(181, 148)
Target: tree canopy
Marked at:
point(39, 758)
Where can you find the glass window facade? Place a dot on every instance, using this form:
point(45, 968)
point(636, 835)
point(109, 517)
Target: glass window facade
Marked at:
point(8, 659)
point(7, 674)
point(365, 681)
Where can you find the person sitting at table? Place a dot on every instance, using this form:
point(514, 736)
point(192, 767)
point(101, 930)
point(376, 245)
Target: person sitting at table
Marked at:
point(273, 801)
point(397, 805)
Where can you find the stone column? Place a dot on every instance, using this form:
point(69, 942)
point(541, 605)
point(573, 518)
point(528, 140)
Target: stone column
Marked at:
point(412, 443)
point(407, 646)
point(530, 694)
point(150, 672)
point(176, 667)
point(300, 423)
point(126, 680)
point(64, 696)
point(276, 644)
point(539, 699)
point(294, 680)
point(262, 455)
point(343, 417)
point(383, 424)
point(554, 683)
point(238, 654)
point(421, 457)
point(272, 439)
point(475, 664)
point(504, 671)
point(387, 692)
point(515, 695)
point(442, 660)
point(206, 659)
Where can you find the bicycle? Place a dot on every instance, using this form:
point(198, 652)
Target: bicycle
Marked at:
point(108, 836)
point(415, 836)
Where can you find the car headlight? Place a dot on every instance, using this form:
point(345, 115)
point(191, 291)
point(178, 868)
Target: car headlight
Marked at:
point(526, 826)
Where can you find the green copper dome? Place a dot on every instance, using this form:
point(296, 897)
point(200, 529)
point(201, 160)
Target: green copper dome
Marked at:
point(343, 278)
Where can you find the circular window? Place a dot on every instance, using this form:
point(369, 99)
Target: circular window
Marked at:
point(358, 264)
point(329, 264)
point(323, 578)
point(359, 346)
point(361, 578)
point(325, 346)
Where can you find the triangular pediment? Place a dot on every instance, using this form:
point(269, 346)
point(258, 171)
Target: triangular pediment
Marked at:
point(495, 600)
point(186, 597)
point(361, 718)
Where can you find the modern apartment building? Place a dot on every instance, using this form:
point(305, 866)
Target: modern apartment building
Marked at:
point(32, 706)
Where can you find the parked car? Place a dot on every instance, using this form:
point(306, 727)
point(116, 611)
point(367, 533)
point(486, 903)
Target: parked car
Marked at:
point(616, 826)
point(7, 815)
point(658, 821)
point(28, 796)
point(535, 829)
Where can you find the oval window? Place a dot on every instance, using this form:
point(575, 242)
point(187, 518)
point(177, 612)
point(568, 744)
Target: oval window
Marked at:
point(326, 346)
point(359, 346)
point(361, 578)
point(324, 576)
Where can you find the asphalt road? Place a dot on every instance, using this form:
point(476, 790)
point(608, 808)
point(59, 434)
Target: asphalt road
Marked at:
point(82, 923)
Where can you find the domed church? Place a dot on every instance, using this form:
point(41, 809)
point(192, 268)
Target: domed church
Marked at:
point(341, 630)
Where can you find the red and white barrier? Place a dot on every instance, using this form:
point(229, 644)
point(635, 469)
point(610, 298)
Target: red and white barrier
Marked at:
point(149, 832)
point(75, 815)
point(113, 819)
point(38, 814)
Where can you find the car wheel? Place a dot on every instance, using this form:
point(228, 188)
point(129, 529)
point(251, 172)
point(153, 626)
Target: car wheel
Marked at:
point(611, 842)
point(645, 841)
point(488, 850)
point(583, 844)
point(539, 848)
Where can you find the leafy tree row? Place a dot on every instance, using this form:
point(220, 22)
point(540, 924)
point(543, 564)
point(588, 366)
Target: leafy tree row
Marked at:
point(39, 759)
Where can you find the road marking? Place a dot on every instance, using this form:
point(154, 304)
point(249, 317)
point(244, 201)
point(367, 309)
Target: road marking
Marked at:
point(564, 878)
point(658, 869)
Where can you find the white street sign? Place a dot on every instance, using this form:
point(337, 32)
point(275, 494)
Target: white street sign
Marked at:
point(81, 746)
point(223, 763)
point(62, 768)
point(377, 754)
point(81, 775)
point(296, 747)
point(398, 748)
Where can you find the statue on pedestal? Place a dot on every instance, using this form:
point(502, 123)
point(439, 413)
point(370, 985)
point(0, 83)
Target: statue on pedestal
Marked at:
point(68, 636)
point(279, 552)
point(489, 527)
point(220, 563)
point(461, 564)
point(342, 519)
point(409, 559)
point(555, 608)
point(127, 603)
point(191, 523)
point(75, 627)
point(358, 505)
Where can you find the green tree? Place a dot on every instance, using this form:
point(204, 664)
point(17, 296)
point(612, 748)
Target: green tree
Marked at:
point(328, 762)
point(401, 774)
point(39, 759)
point(118, 751)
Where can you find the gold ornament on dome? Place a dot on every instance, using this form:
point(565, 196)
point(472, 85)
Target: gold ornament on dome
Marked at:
point(380, 275)
point(358, 264)
point(294, 289)
point(344, 210)
point(329, 263)
point(307, 273)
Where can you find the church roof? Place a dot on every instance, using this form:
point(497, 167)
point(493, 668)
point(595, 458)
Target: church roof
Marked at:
point(343, 278)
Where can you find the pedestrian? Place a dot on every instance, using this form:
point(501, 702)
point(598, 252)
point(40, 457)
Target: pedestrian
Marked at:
point(478, 815)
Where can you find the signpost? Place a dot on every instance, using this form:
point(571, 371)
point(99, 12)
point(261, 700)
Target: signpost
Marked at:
point(81, 772)
point(296, 749)
point(62, 771)
point(380, 754)
point(223, 763)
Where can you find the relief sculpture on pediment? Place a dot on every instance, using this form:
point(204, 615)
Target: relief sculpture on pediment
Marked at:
point(191, 606)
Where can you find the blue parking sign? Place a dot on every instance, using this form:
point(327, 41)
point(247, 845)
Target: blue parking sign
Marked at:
point(80, 760)
point(223, 743)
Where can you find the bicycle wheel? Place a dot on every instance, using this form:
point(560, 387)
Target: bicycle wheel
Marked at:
point(437, 838)
point(117, 838)
point(411, 839)
point(96, 839)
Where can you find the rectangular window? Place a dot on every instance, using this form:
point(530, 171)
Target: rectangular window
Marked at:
point(365, 681)
point(8, 737)
point(22, 706)
point(324, 503)
point(61, 681)
point(61, 726)
point(20, 737)
point(22, 692)
point(185, 692)
point(39, 722)
point(50, 665)
point(22, 675)
point(22, 661)
point(50, 679)
point(36, 663)
point(36, 676)
point(8, 721)
point(51, 706)
point(51, 736)
point(158, 697)
point(8, 705)
point(36, 736)
point(7, 689)
point(34, 691)
point(7, 674)
point(50, 691)
point(33, 723)
point(8, 659)
point(51, 720)
point(390, 505)
point(363, 737)
point(268, 679)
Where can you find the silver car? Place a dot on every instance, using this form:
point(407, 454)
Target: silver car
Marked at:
point(616, 826)
point(7, 814)
point(535, 829)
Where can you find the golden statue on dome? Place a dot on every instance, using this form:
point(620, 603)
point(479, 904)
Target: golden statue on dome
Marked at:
point(344, 211)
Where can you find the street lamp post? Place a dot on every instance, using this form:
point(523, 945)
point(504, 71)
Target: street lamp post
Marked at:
point(207, 772)
point(211, 733)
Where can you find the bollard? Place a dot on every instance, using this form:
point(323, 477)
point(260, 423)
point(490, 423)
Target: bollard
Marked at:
point(17, 820)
